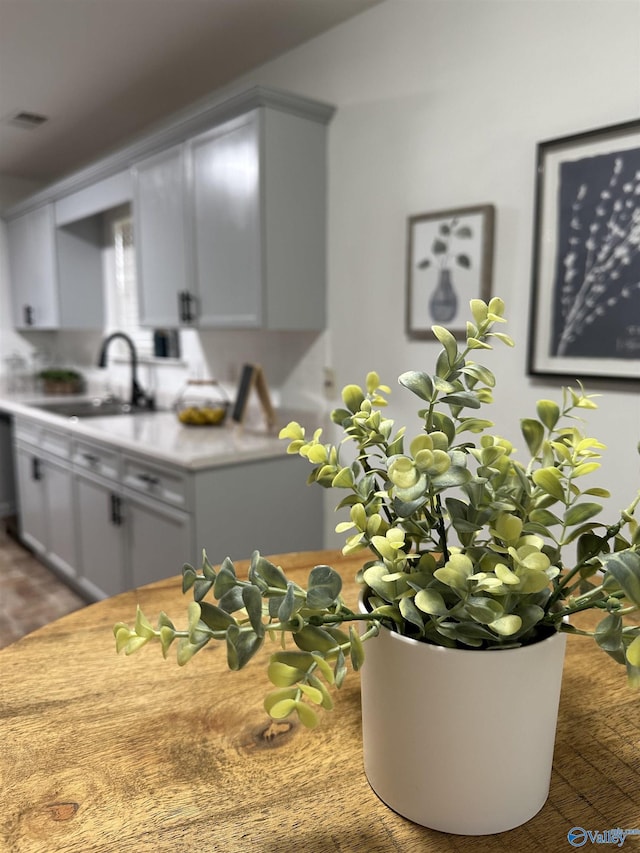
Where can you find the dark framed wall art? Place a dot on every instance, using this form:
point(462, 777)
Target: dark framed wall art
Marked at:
point(585, 308)
point(449, 262)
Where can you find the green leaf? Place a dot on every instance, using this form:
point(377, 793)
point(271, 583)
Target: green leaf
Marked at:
point(306, 715)
point(579, 513)
point(418, 383)
point(475, 425)
point(324, 667)
point(323, 588)
point(479, 311)
point(143, 627)
point(242, 645)
point(410, 613)
point(232, 600)
point(357, 648)
point(544, 517)
point(314, 639)
point(312, 693)
point(340, 669)
point(189, 576)
point(253, 604)
point(281, 708)
point(297, 659)
point(327, 701)
point(506, 626)
point(215, 617)
point(225, 580)
point(608, 633)
point(633, 652)
point(282, 674)
point(624, 568)
point(276, 696)
point(270, 574)
point(448, 341)
point(533, 433)
point(548, 412)
point(186, 650)
point(343, 479)
point(285, 605)
point(353, 397)
point(462, 398)
point(548, 479)
point(478, 371)
point(431, 602)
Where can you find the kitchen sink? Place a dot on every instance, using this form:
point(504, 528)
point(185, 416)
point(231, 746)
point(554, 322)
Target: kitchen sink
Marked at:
point(94, 407)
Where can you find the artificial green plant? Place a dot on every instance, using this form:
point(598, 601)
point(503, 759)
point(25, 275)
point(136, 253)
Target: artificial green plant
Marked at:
point(463, 544)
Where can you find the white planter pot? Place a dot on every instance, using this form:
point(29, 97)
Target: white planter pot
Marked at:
point(460, 741)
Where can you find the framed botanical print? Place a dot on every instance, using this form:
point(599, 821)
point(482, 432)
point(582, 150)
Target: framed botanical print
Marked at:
point(585, 309)
point(449, 262)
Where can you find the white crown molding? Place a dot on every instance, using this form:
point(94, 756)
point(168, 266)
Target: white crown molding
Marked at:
point(175, 129)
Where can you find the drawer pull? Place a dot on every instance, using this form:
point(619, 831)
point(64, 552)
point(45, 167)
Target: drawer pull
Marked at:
point(116, 510)
point(91, 458)
point(36, 470)
point(149, 479)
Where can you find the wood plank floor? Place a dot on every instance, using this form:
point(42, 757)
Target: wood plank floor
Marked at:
point(30, 595)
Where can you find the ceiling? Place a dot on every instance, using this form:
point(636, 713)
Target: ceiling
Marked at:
point(102, 71)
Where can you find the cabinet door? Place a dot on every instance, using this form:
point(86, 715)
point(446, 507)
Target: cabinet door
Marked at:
point(225, 195)
point(158, 540)
point(31, 499)
point(160, 238)
point(101, 563)
point(32, 259)
point(60, 511)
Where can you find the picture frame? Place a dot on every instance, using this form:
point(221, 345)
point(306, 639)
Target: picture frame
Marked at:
point(252, 378)
point(585, 293)
point(449, 262)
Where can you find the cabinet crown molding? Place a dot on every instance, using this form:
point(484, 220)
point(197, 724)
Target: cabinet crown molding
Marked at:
point(173, 130)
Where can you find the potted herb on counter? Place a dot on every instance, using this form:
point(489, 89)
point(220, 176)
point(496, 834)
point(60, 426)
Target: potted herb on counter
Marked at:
point(57, 380)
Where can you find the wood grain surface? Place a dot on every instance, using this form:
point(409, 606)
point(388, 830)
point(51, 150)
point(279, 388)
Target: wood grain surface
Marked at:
point(107, 754)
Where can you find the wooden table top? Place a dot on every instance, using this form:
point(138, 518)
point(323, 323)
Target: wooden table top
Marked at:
point(106, 754)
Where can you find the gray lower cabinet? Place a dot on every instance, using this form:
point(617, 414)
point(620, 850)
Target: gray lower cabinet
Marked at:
point(109, 520)
point(46, 497)
point(158, 539)
point(101, 554)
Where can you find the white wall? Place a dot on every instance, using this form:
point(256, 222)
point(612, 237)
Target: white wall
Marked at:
point(441, 104)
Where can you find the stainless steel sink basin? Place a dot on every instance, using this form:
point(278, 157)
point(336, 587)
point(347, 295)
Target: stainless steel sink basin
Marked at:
point(90, 408)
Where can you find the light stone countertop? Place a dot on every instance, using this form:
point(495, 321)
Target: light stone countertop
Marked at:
point(160, 437)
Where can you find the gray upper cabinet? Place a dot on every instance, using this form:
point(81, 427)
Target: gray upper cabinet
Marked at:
point(230, 227)
point(226, 220)
point(160, 236)
point(33, 269)
point(56, 273)
point(229, 206)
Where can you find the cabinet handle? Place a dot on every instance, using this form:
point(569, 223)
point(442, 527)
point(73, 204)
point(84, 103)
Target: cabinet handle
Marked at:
point(91, 459)
point(186, 308)
point(182, 306)
point(149, 479)
point(116, 510)
point(188, 300)
point(36, 470)
point(28, 315)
